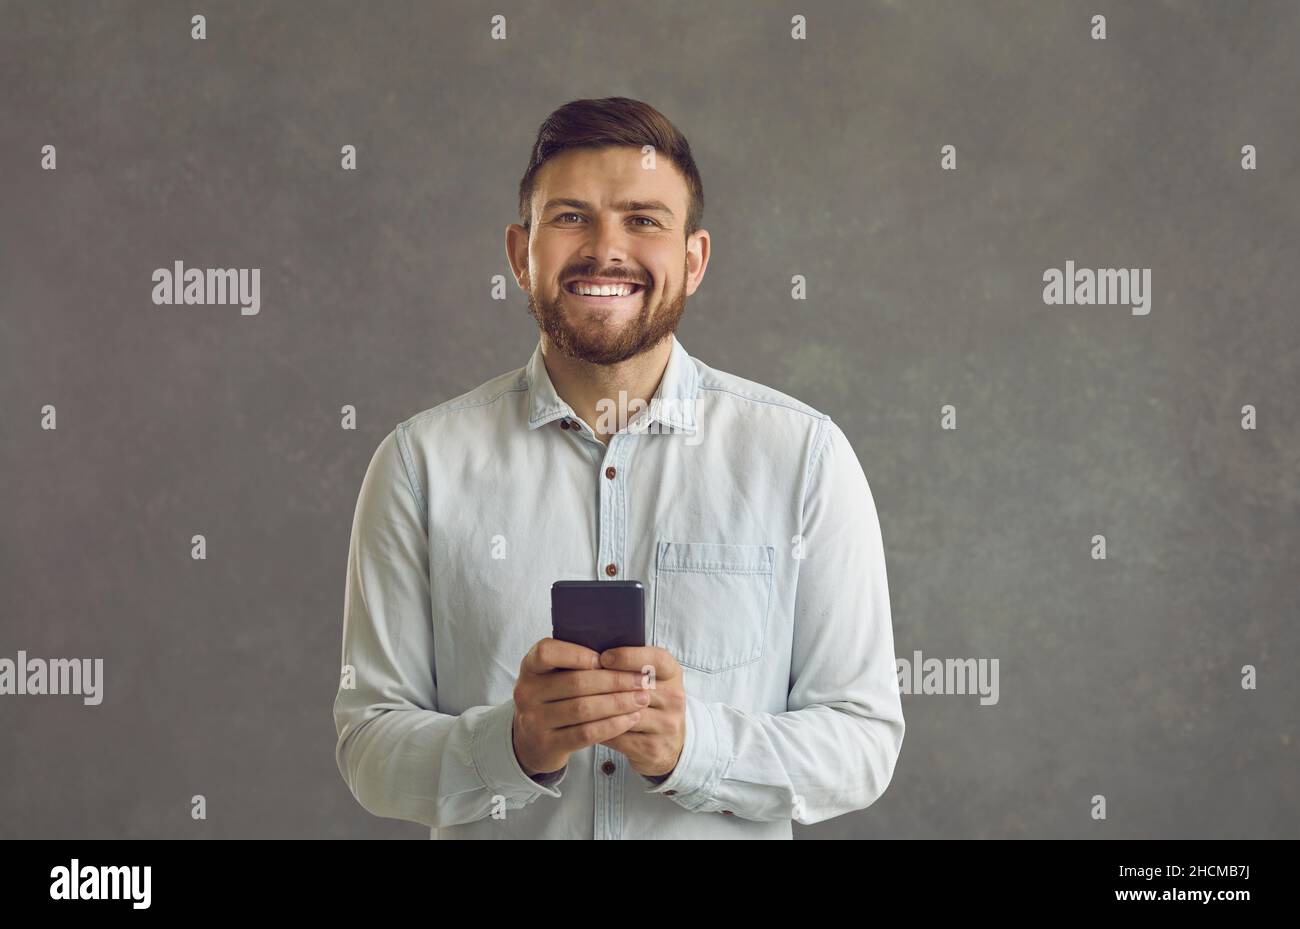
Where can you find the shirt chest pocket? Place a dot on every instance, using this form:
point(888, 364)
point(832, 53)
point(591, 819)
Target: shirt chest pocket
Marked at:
point(711, 602)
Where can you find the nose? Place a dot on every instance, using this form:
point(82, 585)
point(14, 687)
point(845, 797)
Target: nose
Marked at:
point(606, 243)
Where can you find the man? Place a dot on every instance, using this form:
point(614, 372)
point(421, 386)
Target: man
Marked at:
point(614, 455)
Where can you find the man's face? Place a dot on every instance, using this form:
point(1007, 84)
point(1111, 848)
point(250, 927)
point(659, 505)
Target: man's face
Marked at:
point(599, 216)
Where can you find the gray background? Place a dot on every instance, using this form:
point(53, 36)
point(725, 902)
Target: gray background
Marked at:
point(1118, 677)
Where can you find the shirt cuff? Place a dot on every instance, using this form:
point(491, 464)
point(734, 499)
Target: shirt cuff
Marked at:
point(692, 783)
point(552, 778)
point(493, 749)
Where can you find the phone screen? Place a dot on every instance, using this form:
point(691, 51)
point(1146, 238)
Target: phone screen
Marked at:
point(599, 614)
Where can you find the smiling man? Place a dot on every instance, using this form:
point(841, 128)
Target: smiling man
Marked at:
point(744, 512)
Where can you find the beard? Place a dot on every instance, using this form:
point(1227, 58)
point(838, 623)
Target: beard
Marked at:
point(594, 342)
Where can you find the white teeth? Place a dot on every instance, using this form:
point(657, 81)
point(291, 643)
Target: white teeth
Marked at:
point(603, 290)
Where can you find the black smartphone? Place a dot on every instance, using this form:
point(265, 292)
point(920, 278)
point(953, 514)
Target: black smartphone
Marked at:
point(598, 614)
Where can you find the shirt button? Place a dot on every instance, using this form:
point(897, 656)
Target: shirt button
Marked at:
point(727, 813)
point(670, 793)
point(611, 569)
point(610, 472)
point(609, 767)
point(564, 424)
point(573, 424)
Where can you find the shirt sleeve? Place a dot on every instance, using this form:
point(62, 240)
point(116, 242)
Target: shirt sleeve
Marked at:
point(400, 757)
point(834, 749)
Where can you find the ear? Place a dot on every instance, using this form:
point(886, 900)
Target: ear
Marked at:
point(517, 253)
point(697, 259)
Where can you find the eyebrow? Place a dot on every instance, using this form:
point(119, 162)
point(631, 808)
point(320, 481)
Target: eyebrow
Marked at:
point(622, 206)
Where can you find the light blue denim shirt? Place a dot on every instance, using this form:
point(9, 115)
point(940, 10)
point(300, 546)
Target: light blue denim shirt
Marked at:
point(747, 517)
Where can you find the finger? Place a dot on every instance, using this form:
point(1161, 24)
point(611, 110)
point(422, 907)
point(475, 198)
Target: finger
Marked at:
point(562, 685)
point(578, 710)
point(550, 654)
point(644, 660)
point(573, 738)
point(652, 722)
point(631, 744)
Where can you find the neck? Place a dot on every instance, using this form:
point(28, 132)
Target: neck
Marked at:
point(583, 385)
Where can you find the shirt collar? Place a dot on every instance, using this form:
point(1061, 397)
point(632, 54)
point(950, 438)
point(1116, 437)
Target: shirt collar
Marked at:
point(673, 403)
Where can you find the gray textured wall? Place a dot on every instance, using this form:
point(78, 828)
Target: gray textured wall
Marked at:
point(1119, 677)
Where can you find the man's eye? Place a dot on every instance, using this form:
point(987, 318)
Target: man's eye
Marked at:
point(564, 216)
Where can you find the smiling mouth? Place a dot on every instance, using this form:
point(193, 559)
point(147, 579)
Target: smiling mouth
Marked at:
point(570, 288)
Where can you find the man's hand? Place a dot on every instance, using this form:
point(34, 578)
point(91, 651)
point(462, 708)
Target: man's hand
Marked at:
point(564, 701)
point(653, 745)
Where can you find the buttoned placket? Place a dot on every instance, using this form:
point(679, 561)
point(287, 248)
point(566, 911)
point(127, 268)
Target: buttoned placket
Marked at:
point(609, 767)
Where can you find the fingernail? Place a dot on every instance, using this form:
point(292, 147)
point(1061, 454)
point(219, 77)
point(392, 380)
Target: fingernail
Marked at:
point(643, 699)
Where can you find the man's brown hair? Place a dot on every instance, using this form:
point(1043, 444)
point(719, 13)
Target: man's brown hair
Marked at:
point(612, 121)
